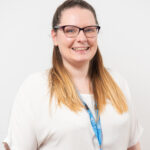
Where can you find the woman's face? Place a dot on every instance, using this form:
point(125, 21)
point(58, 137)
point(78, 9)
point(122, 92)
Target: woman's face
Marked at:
point(80, 49)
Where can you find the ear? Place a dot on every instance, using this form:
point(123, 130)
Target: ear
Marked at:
point(54, 37)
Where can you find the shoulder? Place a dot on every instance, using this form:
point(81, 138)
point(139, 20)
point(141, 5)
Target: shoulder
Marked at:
point(117, 77)
point(33, 87)
point(36, 77)
point(121, 82)
point(35, 80)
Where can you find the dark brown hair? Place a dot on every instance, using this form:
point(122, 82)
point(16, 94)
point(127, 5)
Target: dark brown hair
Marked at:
point(70, 4)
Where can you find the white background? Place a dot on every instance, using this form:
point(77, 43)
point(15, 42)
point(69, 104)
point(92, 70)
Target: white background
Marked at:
point(26, 47)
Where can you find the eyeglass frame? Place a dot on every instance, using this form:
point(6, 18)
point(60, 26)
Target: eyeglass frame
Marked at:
point(63, 27)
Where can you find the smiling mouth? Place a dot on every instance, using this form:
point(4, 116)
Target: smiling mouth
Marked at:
point(80, 48)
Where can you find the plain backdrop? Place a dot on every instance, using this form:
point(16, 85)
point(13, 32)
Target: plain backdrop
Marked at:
point(26, 47)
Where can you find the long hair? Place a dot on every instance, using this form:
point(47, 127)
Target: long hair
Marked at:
point(61, 85)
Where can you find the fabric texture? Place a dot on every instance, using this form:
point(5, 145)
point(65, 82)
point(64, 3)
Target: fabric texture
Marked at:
point(33, 127)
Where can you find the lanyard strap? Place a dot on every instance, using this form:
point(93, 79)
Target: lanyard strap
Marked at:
point(95, 125)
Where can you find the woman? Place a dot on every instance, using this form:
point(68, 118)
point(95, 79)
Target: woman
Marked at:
point(78, 104)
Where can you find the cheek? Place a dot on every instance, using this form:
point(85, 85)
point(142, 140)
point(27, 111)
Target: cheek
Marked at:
point(70, 42)
point(65, 42)
point(93, 43)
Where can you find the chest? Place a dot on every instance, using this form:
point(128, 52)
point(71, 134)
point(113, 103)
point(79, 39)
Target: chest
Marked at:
point(62, 123)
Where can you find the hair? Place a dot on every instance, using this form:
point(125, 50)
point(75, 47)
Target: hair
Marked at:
point(60, 82)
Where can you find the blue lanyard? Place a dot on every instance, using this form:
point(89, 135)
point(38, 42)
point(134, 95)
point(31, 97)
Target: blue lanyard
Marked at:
point(95, 125)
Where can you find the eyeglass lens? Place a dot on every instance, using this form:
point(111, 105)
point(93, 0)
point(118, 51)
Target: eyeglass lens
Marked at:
point(72, 31)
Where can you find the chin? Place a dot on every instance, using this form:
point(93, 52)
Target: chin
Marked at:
point(82, 61)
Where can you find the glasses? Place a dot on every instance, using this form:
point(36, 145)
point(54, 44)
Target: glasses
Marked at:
point(72, 31)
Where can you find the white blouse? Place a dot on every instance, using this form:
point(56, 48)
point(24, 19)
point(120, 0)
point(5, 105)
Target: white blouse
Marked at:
point(33, 127)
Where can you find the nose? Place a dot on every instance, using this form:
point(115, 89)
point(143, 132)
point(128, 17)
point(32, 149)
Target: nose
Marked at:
point(81, 36)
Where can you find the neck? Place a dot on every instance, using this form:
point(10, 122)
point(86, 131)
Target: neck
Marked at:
point(77, 72)
point(79, 76)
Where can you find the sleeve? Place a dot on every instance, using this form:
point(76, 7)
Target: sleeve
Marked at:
point(21, 132)
point(136, 129)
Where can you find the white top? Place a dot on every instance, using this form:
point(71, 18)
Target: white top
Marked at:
point(32, 127)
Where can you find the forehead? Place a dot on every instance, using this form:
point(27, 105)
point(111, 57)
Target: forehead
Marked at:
point(77, 16)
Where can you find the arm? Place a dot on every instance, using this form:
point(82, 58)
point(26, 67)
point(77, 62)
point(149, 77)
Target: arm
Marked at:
point(21, 134)
point(135, 127)
point(135, 147)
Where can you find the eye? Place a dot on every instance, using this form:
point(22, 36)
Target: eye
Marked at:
point(69, 29)
point(90, 29)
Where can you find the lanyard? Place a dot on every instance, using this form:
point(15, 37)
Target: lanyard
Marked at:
point(95, 125)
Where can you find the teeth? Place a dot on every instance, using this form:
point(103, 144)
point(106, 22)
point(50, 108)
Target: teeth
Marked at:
point(80, 48)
